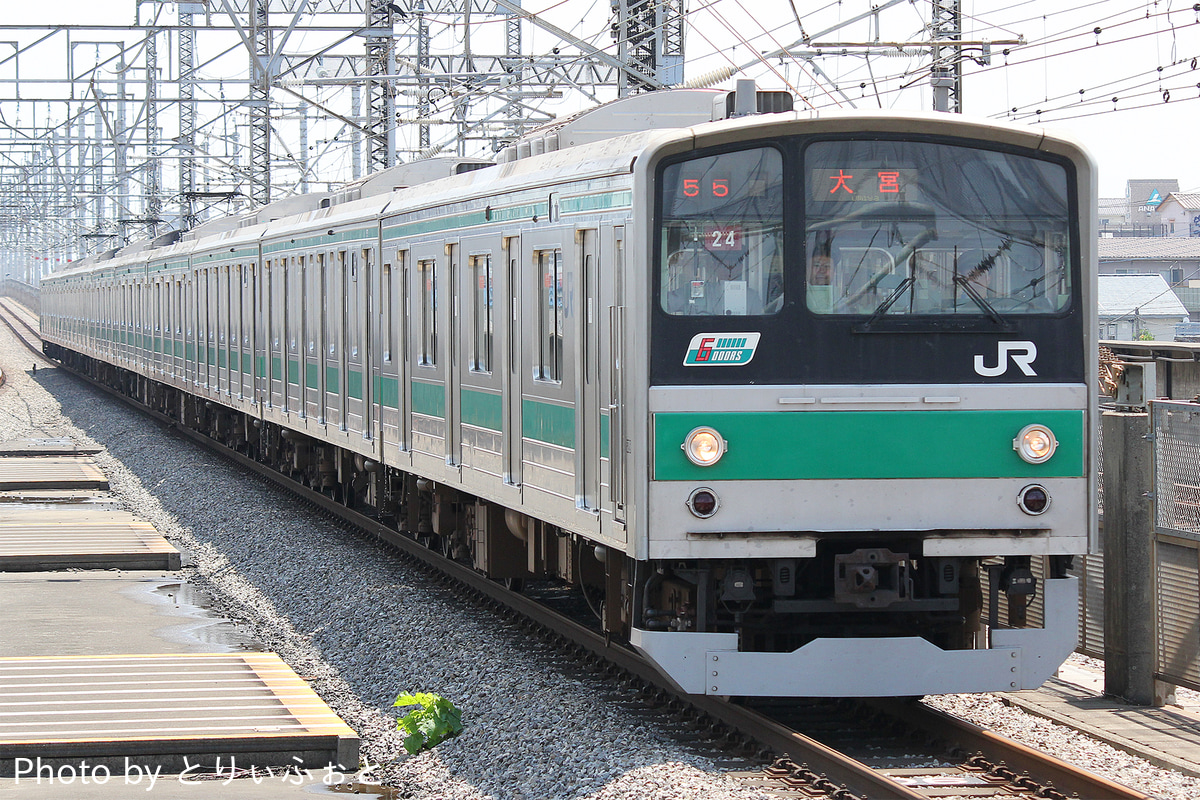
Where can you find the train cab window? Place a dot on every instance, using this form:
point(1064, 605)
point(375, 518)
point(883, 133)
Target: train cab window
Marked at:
point(896, 228)
point(480, 269)
point(721, 235)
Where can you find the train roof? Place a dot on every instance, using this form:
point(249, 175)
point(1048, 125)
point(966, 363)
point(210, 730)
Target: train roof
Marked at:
point(602, 141)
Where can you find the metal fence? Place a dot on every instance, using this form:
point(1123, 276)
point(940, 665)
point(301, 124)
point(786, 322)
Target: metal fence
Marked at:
point(1090, 571)
point(1176, 435)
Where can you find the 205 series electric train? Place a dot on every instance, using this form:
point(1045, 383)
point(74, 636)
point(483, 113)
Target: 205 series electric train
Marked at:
point(805, 403)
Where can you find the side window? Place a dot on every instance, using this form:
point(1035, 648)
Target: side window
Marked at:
point(481, 312)
point(548, 264)
point(427, 280)
point(721, 235)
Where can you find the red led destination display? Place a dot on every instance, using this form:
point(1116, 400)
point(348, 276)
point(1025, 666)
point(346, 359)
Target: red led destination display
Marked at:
point(861, 184)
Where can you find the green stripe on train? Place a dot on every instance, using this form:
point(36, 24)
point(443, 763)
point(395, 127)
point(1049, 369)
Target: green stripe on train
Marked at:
point(548, 423)
point(482, 409)
point(848, 445)
point(428, 399)
point(387, 390)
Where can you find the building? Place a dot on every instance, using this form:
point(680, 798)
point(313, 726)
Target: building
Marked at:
point(1113, 213)
point(1138, 306)
point(1138, 211)
point(1179, 214)
point(1176, 259)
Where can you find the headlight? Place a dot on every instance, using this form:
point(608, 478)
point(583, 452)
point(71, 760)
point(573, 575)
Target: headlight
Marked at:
point(704, 447)
point(1035, 443)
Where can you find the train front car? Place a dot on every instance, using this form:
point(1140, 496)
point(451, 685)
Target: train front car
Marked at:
point(870, 406)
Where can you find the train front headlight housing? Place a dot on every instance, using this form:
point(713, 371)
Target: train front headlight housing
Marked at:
point(704, 447)
point(1035, 443)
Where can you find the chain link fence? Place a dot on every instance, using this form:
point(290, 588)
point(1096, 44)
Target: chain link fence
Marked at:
point(1176, 435)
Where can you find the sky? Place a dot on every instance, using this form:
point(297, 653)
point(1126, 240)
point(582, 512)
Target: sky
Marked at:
point(1120, 76)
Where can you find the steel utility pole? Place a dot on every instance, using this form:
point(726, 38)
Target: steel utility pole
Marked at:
point(381, 94)
point(187, 114)
point(946, 75)
point(260, 103)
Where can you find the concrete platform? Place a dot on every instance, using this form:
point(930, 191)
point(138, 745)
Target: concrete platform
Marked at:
point(128, 670)
point(75, 536)
point(1168, 736)
point(44, 447)
point(168, 712)
point(109, 613)
point(50, 472)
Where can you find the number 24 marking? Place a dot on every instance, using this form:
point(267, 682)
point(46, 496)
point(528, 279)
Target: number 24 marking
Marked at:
point(720, 238)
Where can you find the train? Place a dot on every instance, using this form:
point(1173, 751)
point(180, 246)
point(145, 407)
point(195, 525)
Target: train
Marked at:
point(804, 403)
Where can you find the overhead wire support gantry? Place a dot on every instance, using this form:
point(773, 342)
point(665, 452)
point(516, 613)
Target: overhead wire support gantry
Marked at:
point(216, 105)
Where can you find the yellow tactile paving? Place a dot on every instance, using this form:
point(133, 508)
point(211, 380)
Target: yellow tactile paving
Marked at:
point(140, 698)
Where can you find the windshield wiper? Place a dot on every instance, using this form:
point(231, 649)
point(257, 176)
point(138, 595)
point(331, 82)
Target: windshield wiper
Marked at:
point(977, 299)
point(888, 302)
point(918, 241)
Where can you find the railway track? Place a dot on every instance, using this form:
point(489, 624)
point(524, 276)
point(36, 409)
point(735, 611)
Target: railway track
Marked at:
point(838, 750)
point(23, 323)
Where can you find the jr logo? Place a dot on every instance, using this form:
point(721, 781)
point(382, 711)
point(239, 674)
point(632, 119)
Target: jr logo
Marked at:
point(1021, 353)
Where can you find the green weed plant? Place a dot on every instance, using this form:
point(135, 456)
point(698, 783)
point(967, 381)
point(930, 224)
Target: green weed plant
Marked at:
point(436, 720)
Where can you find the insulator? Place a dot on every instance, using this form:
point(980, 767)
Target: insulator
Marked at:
point(430, 152)
point(711, 78)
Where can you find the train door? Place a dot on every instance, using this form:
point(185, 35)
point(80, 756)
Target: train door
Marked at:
point(156, 318)
point(245, 304)
point(335, 373)
point(180, 366)
point(453, 359)
point(403, 326)
point(261, 331)
point(246, 331)
point(201, 328)
point(548, 382)
point(356, 281)
point(368, 295)
point(277, 318)
point(233, 329)
point(386, 356)
point(480, 371)
point(513, 360)
point(224, 341)
point(314, 281)
point(189, 347)
point(168, 328)
point(427, 409)
point(587, 385)
point(614, 259)
point(130, 322)
point(209, 311)
point(294, 333)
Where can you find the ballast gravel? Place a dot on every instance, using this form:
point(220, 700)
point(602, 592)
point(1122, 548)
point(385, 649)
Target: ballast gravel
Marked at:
point(363, 626)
